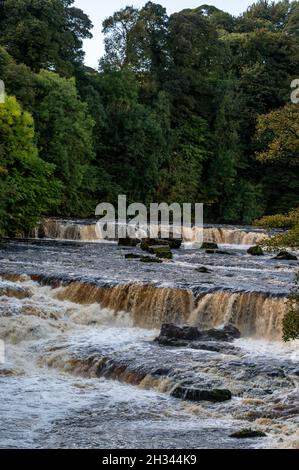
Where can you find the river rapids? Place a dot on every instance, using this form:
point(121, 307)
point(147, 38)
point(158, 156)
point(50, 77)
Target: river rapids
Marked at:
point(82, 369)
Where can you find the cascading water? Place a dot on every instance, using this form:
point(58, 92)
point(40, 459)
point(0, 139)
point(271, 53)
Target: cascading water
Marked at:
point(74, 230)
point(74, 316)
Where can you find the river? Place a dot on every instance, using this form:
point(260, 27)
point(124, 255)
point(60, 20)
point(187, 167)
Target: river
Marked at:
point(82, 369)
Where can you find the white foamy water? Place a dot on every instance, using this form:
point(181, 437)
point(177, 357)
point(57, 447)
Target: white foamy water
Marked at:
point(80, 374)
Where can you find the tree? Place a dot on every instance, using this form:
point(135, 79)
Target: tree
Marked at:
point(265, 14)
point(277, 140)
point(278, 133)
point(118, 38)
point(44, 33)
point(131, 140)
point(137, 39)
point(292, 23)
point(183, 177)
point(27, 186)
point(64, 137)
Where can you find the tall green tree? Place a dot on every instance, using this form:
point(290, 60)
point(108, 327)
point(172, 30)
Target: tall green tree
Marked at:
point(131, 142)
point(44, 33)
point(278, 150)
point(27, 186)
point(64, 137)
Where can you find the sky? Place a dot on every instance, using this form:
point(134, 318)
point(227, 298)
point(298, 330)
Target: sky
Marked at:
point(98, 10)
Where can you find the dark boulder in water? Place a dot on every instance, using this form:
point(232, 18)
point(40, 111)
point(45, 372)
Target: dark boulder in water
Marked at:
point(128, 242)
point(218, 252)
point(247, 433)
point(170, 330)
point(255, 251)
point(202, 269)
point(195, 394)
point(173, 335)
point(150, 259)
point(174, 243)
point(227, 333)
point(285, 255)
point(132, 256)
point(209, 246)
point(147, 243)
point(161, 251)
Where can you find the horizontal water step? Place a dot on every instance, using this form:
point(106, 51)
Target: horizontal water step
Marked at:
point(88, 231)
point(255, 314)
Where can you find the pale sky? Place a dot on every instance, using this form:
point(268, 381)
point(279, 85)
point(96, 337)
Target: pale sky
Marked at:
point(98, 10)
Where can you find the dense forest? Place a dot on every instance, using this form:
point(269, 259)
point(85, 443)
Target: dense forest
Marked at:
point(192, 107)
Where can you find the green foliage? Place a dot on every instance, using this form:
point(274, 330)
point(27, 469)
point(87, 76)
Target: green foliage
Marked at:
point(286, 221)
point(130, 139)
point(278, 133)
point(188, 108)
point(27, 186)
point(184, 176)
point(64, 130)
point(277, 140)
point(291, 319)
point(44, 33)
point(289, 221)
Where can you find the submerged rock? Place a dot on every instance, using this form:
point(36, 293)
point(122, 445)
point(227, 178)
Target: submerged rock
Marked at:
point(202, 269)
point(218, 252)
point(170, 330)
point(147, 243)
point(150, 259)
point(172, 335)
point(161, 251)
point(194, 394)
point(128, 241)
point(174, 243)
point(247, 433)
point(209, 246)
point(255, 251)
point(285, 255)
point(133, 256)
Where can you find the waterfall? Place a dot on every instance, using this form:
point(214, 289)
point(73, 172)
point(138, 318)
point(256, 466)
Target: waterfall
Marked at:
point(255, 314)
point(233, 236)
point(71, 230)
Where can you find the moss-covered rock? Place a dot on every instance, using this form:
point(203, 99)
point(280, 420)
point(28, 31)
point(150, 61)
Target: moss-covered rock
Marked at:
point(247, 433)
point(150, 259)
point(146, 243)
point(163, 251)
point(133, 256)
point(286, 256)
point(255, 251)
point(131, 242)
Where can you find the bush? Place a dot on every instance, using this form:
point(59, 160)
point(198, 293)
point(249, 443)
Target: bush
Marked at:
point(291, 319)
point(27, 186)
point(288, 221)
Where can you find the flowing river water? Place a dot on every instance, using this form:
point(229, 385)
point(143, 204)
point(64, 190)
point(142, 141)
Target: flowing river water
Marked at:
point(81, 366)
